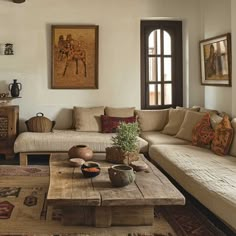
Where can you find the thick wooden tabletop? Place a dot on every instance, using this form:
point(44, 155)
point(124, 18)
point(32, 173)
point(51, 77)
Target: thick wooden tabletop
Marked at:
point(69, 187)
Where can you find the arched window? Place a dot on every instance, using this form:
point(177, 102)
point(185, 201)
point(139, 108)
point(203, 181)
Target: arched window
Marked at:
point(161, 64)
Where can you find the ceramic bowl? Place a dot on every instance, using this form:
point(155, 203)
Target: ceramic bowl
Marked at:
point(90, 169)
point(76, 162)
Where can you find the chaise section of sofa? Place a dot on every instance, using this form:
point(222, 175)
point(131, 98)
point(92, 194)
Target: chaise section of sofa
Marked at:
point(208, 177)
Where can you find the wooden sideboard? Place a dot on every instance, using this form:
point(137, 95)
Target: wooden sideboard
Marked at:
point(9, 120)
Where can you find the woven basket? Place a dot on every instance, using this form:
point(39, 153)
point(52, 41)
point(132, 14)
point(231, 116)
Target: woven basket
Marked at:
point(117, 156)
point(39, 123)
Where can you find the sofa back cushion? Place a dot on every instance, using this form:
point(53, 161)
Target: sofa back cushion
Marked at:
point(119, 112)
point(203, 133)
point(233, 144)
point(190, 120)
point(176, 117)
point(194, 108)
point(215, 120)
point(88, 118)
point(152, 120)
point(110, 124)
point(223, 137)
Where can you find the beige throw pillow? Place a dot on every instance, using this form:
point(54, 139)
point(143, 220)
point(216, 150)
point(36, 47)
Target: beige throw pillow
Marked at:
point(194, 108)
point(152, 120)
point(215, 120)
point(88, 118)
point(210, 111)
point(119, 112)
point(176, 118)
point(190, 120)
point(232, 151)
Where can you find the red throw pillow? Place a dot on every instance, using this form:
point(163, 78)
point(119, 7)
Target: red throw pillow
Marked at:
point(110, 124)
point(203, 134)
point(223, 137)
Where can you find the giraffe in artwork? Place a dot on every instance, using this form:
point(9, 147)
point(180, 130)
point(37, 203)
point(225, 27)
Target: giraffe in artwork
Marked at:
point(70, 50)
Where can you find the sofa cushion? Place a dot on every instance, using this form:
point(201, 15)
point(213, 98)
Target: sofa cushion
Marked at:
point(215, 120)
point(110, 124)
point(190, 120)
point(194, 108)
point(152, 120)
point(233, 144)
point(210, 111)
point(88, 118)
point(154, 137)
point(208, 177)
point(203, 133)
point(63, 140)
point(223, 137)
point(119, 112)
point(176, 117)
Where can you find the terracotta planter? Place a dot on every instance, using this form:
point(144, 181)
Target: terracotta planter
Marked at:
point(117, 156)
point(81, 151)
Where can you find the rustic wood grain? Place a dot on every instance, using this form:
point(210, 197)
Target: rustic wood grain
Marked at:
point(104, 205)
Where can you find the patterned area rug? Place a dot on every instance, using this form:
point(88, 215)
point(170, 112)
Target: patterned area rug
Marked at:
point(24, 212)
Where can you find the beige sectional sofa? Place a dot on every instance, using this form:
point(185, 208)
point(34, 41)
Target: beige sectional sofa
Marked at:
point(166, 136)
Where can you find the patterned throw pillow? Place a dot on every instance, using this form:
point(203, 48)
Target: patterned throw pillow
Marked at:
point(203, 134)
point(223, 137)
point(110, 124)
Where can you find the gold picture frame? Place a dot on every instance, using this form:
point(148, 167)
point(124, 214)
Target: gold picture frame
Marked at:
point(215, 60)
point(74, 50)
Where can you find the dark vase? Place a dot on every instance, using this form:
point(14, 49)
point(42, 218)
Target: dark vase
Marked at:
point(15, 88)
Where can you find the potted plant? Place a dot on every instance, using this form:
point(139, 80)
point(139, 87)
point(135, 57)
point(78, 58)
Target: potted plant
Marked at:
point(125, 148)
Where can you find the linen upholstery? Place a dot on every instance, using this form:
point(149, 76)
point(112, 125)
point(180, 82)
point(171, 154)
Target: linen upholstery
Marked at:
point(208, 177)
point(176, 117)
point(190, 120)
point(210, 111)
point(194, 108)
point(88, 118)
point(215, 120)
point(152, 120)
point(119, 112)
point(154, 137)
point(63, 140)
point(233, 144)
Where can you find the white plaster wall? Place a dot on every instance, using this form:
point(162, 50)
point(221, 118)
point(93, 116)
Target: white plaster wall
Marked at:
point(216, 16)
point(27, 26)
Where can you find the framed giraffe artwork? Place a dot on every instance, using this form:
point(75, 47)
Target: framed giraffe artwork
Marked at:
point(74, 56)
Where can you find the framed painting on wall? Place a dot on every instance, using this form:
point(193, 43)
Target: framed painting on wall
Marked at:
point(74, 50)
point(215, 60)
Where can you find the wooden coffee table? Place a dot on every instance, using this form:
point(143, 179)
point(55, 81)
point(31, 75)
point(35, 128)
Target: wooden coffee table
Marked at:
point(95, 202)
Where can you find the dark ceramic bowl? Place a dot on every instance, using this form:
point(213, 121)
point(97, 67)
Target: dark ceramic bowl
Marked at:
point(90, 169)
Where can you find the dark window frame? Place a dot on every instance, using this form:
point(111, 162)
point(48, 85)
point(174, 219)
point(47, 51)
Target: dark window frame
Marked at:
point(174, 28)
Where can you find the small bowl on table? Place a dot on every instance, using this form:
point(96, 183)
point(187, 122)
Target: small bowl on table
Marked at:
point(76, 162)
point(90, 169)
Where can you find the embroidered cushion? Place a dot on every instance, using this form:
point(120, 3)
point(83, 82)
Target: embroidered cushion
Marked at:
point(203, 133)
point(110, 124)
point(223, 137)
